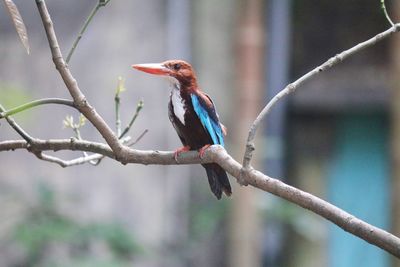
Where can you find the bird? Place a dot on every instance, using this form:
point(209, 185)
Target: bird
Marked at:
point(194, 117)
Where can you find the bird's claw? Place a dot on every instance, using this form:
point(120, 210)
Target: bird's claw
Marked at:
point(179, 151)
point(202, 151)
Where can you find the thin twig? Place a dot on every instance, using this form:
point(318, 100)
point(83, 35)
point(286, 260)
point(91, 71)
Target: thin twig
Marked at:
point(218, 154)
point(138, 139)
point(35, 103)
point(128, 127)
point(120, 88)
point(93, 159)
point(16, 127)
point(117, 114)
point(290, 88)
point(85, 25)
point(383, 7)
point(69, 163)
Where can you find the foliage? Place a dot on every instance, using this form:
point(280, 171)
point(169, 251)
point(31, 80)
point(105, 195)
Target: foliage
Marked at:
point(206, 217)
point(44, 230)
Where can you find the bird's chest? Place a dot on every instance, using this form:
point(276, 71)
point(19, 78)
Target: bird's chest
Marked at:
point(178, 105)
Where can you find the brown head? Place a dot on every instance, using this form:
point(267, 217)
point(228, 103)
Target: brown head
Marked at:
point(178, 69)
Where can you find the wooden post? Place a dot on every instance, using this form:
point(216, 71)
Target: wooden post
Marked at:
point(244, 223)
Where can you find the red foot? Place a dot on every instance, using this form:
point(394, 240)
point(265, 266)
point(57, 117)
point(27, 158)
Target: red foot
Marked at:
point(203, 150)
point(179, 151)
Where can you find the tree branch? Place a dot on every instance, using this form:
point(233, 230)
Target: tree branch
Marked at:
point(218, 154)
point(58, 144)
point(290, 88)
point(79, 99)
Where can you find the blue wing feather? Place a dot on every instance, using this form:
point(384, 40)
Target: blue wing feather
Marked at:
point(209, 120)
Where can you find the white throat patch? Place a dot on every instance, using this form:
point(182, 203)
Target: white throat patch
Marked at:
point(177, 101)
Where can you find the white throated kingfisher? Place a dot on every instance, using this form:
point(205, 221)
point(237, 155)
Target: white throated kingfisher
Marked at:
point(194, 117)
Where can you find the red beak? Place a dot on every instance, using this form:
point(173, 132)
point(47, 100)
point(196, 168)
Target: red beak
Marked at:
point(153, 68)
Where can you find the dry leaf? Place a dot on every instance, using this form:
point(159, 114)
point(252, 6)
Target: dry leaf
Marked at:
point(18, 23)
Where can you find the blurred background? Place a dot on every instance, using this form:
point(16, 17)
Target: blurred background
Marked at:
point(337, 137)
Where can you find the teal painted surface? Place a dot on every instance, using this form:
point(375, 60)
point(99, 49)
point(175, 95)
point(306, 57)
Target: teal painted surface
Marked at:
point(358, 182)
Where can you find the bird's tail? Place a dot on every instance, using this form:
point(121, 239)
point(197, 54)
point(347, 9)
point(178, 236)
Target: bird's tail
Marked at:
point(218, 180)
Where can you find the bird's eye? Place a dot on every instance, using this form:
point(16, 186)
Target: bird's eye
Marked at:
point(176, 66)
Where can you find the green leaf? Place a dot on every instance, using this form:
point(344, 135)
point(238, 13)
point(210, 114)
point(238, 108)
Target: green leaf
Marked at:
point(18, 23)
